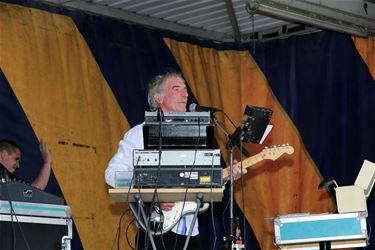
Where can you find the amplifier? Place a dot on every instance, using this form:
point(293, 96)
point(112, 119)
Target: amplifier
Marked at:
point(178, 168)
point(178, 130)
point(178, 117)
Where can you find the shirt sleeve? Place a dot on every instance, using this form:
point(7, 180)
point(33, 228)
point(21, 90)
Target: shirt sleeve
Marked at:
point(123, 159)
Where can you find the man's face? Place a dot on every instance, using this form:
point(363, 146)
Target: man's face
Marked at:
point(11, 161)
point(175, 95)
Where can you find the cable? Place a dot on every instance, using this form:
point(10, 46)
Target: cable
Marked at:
point(12, 223)
point(189, 179)
point(160, 116)
point(155, 194)
point(230, 120)
point(138, 213)
point(223, 217)
point(13, 213)
point(132, 180)
point(212, 209)
point(188, 184)
point(118, 232)
point(243, 198)
point(251, 8)
point(213, 224)
point(126, 233)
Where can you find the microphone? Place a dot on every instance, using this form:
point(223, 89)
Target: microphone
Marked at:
point(193, 107)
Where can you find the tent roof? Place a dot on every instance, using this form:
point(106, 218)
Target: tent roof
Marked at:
point(224, 20)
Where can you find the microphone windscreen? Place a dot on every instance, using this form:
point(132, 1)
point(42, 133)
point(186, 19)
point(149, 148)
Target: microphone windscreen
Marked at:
point(192, 107)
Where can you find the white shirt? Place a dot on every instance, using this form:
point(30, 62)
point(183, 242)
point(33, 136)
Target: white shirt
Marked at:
point(123, 161)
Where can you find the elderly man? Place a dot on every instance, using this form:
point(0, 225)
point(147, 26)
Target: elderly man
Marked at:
point(10, 157)
point(169, 93)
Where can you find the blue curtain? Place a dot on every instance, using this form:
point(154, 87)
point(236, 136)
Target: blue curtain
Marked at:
point(329, 93)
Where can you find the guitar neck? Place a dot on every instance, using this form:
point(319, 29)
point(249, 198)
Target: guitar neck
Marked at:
point(248, 162)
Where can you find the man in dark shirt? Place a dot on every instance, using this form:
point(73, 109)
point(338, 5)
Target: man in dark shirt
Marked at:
point(10, 156)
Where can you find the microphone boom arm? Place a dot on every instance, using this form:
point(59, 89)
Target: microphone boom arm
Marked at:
point(234, 140)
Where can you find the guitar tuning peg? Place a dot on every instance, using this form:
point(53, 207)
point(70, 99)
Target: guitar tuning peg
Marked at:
point(283, 145)
point(266, 147)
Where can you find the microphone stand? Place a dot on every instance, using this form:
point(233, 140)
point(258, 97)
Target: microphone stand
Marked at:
point(234, 140)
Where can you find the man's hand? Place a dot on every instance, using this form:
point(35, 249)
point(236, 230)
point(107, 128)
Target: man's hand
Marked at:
point(166, 206)
point(41, 180)
point(46, 155)
point(236, 171)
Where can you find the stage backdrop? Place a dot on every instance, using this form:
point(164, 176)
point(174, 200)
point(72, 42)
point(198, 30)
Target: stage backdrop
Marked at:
point(80, 82)
point(68, 103)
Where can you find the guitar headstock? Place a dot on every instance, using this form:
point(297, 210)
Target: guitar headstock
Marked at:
point(276, 151)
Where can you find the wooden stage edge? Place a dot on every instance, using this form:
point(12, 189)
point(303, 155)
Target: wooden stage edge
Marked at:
point(166, 194)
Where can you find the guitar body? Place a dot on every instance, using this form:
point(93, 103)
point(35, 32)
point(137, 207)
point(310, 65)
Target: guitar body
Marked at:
point(164, 222)
point(180, 209)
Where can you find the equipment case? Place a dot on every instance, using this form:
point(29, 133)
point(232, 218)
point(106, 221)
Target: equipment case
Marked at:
point(35, 226)
point(303, 230)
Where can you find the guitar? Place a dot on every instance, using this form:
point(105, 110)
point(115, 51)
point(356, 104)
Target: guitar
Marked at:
point(164, 221)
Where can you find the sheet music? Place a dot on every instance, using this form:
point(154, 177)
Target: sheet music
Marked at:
point(266, 132)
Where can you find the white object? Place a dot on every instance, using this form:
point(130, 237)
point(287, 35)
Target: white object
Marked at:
point(353, 198)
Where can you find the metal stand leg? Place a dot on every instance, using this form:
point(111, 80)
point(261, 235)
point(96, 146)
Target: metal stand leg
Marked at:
point(325, 245)
point(144, 218)
point(231, 214)
point(199, 203)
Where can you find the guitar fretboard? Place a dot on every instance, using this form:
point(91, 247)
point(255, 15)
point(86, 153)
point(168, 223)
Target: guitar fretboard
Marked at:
point(248, 162)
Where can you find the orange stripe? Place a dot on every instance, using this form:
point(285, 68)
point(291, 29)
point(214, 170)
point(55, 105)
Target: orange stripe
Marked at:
point(230, 80)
